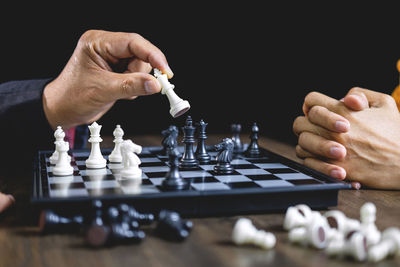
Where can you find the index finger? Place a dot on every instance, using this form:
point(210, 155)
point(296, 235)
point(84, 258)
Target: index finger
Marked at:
point(318, 99)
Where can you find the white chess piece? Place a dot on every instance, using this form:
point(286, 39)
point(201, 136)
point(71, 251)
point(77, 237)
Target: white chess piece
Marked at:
point(130, 160)
point(59, 135)
point(368, 227)
point(116, 155)
point(388, 246)
point(337, 220)
point(353, 244)
point(96, 159)
point(296, 216)
point(63, 165)
point(244, 232)
point(178, 105)
point(315, 233)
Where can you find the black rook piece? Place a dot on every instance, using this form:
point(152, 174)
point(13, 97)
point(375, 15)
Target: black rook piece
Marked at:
point(224, 156)
point(188, 160)
point(173, 179)
point(253, 151)
point(170, 138)
point(238, 147)
point(172, 227)
point(201, 153)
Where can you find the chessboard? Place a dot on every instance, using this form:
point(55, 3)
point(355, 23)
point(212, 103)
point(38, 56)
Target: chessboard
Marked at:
point(267, 183)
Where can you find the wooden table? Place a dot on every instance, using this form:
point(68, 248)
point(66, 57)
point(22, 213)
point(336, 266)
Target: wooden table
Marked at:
point(209, 244)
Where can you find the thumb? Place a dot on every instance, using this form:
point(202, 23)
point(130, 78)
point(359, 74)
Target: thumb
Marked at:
point(129, 85)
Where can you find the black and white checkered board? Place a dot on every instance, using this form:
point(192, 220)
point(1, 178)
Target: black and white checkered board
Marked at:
point(268, 183)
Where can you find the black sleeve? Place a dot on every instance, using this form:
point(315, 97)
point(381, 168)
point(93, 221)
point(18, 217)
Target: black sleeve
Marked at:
point(24, 127)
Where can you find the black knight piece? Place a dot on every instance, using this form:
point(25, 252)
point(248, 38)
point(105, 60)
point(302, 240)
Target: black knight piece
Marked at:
point(253, 151)
point(188, 160)
point(173, 179)
point(238, 146)
point(201, 153)
point(170, 138)
point(224, 156)
point(172, 227)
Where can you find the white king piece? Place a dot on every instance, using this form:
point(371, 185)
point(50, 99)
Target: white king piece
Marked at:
point(96, 159)
point(178, 105)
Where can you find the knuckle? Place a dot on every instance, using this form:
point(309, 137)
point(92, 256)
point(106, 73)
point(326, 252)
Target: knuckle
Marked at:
point(387, 99)
point(125, 86)
point(316, 112)
point(297, 122)
point(310, 96)
point(355, 89)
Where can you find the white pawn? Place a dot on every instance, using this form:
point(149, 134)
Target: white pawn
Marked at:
point(353, 244)
point(296, 216)
point(315, 233)
point(368, 227)
point(338, 221)
point(63, 165)
point(131, 161)
point(59, 135)
point(388, 246)
point(244, 232)
point(96, 159)
point(178, 105)
point(116, 155)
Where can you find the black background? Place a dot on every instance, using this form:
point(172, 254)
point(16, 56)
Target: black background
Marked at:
point(239, 63)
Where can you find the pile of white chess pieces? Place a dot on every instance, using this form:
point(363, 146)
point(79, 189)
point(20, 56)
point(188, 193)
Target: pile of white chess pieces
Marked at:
point(333, 232)
point(124, 152)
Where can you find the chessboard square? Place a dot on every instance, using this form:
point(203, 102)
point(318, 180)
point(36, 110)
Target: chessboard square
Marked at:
point(232, 178)
point(105, 191)
point(65, 186)
point(156, 174)
point(263, 177)
point(214, 173)
point(240, 161)
point(81, 154)
point(155, 169)
point(152, 164)
point(243, 185)
point(304, 181)
point(188, 174)
point(51, 174)
point(282, 170)
point(243, 166)
point(261, 160)
point(101, 184)
point(65, 179)
point(252, 171)
point(209, 186)
point(156, 181)
point(96, 172)
point(270, 165)
point(148, 189)
point(145, 181)
point(69, 193)
point(273, 183)
point(153, 159)
point(208, 167)
point(293, 176)
point(198, 180)
point(105, 177)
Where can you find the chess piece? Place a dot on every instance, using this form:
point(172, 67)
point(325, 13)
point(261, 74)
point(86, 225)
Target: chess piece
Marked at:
point(201, 153)
point(368, 227)
point(63, 166)
point(50, 222)
point(224, 156)
point(96, 159)
point(129, 213)
point(173, 179)
point(337, 220)
point(116, 156)
point(244, 232)
point(59, 135)
point(238, 146)
point(97, 232)
point(178, 105)
point(170, 138)
point(298, 216)
point(351, 245)
point(388, 246)
point(131, 161)
point(253, 150)
point(172, 227)
point(188, 160)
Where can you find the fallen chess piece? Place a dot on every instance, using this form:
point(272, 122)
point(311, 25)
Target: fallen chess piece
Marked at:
point(353, 245)
point(52, 223)
point(298, 216)
point(368, 227)
point(244, 232)
point(172, 227)
point(388, 246)
point(338, 221)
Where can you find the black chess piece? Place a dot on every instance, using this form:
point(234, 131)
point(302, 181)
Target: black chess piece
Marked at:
point(173, 179)
point(172, 227)
point(201, 153)
point(253, 150)
point(188, 160)
point(130, 214)
point(170, 138)
point(238, 146)
point(51, 223)
point(224, 156)
point(97, 232)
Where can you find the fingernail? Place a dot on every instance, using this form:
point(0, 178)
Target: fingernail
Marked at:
point(169, 72)
point(338, 174)
point(342, 126)
point(151, 87)
point(336, 152)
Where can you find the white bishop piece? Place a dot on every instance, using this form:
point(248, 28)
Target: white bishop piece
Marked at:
point(116, 155)
point(244, 232)
point(59, 135)
point(178, 105)
point(96, 159)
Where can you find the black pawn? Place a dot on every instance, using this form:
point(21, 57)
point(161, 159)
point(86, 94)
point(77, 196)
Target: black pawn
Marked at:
point(50, 222)
point(188, 160)
point(201, 153)
point(253, 150)
point(224, 156)
point(173, 179)
point(172, 227)
point(238, 146)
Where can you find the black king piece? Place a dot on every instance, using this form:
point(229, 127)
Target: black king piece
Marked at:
point(188, 160)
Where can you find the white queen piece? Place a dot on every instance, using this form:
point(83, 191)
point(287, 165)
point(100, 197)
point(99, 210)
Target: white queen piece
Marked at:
point(96, 159)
